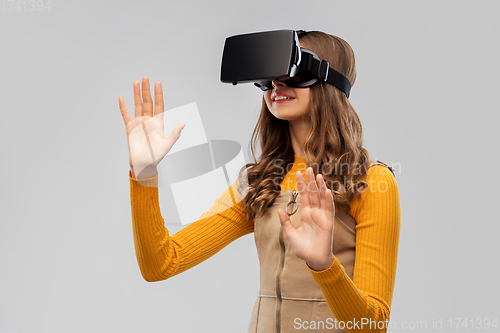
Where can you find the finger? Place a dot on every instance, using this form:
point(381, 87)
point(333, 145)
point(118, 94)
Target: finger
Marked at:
point(176, 132)
point(312, 188)
point(175, 135)
point(137, 100)
point(301, 184)
point(290, 231)
point(124, 111)
point(147, 102)
point(330, 206)
point(159, 106)
point(322, 190)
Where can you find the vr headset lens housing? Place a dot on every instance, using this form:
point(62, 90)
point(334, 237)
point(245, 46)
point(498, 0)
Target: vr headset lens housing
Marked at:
point(268, 56)
point(301, 78)
point(261, 56)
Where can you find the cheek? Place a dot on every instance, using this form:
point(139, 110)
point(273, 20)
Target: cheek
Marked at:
point(304, 96)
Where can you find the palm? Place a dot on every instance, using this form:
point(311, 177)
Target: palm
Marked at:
point(312, 240)
point(146, 140)
point(145, 134)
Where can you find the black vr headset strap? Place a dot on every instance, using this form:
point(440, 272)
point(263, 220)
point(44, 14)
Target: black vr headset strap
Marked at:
point(324, 72)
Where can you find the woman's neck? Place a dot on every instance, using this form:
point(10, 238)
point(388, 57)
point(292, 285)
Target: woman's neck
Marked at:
point(298, 133)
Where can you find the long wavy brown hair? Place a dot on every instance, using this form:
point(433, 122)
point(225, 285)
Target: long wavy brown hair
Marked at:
point(333, 146)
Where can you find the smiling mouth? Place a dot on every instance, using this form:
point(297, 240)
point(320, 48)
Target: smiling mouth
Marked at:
point(282, 99)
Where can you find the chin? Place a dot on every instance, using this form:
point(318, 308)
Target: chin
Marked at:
point(285, 116)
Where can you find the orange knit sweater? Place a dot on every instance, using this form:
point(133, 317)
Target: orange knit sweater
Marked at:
point(366, 298)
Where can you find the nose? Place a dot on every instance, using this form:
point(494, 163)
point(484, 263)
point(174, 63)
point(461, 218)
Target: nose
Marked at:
point(277, 83)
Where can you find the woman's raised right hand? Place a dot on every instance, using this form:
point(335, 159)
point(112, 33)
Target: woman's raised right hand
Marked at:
point(146, 140)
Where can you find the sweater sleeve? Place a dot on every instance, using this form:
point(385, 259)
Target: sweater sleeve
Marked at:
point(366, 299)
point(161, 256)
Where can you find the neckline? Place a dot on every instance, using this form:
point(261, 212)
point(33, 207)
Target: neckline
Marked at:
point(298, 164)
point(299, 159)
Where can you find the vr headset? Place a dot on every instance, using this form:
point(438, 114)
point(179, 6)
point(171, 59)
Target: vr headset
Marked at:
point(268, 56)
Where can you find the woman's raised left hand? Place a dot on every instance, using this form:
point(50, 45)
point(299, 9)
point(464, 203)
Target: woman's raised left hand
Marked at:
point(312, 241)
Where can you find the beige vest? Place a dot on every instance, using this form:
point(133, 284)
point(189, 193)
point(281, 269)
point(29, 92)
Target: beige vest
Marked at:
point(289, 298)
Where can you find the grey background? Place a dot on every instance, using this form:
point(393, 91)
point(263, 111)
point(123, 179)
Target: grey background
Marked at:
point(426, 93)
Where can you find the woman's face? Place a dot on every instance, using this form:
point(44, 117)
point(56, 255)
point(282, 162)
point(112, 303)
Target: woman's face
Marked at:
point(288, 103)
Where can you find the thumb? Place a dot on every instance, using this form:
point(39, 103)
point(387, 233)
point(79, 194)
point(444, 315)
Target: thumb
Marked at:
point(289, 229)
point(178, 129)
point(175, 134)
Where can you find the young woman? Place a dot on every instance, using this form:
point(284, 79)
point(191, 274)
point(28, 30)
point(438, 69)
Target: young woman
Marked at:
point(326, 218)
